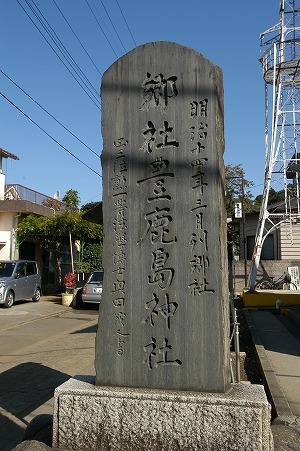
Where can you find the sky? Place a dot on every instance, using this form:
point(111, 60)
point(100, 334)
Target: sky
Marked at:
point(50, 110)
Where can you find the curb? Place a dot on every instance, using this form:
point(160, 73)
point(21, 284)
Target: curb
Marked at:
point(277, 399)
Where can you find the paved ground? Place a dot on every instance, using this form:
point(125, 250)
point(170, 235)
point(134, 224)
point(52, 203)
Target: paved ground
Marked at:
point(44, 344)
point(278, 351)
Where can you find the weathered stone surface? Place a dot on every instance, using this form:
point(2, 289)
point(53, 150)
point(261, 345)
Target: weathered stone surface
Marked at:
point(89, 417)
point(32, 445)
point(163, 319)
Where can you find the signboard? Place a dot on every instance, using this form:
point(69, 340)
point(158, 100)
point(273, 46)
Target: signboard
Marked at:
point(294, 273)
point(238, 211)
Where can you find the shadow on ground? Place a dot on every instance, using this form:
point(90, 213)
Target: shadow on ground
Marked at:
point(23, 389)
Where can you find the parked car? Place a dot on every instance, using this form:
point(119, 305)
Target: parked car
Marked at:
point(92, 290)
point(19, 279)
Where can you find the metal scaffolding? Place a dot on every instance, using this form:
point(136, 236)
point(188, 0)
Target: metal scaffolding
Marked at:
point(281, 72)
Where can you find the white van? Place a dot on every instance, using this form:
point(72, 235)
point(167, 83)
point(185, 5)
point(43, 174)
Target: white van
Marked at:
point(19, 279)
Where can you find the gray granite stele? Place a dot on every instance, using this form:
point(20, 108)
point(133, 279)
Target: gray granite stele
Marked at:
point(93, 418)
point(164, 315)
point(162, 346)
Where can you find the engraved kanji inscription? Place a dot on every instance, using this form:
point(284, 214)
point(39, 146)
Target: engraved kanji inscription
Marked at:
point(199, 263)
point(162, 353)
point(166, 310)
point(198, 109)
point(119, 185)
point(157, 90)
point(161, 275)
point(158, 221)
point(197, 287)
point(158, 139)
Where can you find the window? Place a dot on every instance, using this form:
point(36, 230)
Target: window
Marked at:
point(20, 270)
point(31, 269)
point(65, 254)
point(267, 249)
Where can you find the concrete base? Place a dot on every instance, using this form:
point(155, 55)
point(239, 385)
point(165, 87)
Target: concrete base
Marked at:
point(89, 417)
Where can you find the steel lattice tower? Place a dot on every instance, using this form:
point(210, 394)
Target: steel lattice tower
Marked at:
point(281, 72)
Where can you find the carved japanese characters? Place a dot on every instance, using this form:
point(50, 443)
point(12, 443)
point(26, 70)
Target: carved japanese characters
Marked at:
point(163, 321)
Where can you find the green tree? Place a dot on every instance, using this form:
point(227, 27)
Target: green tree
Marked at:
point(236, 192)
point(52, 233)
point(86, 207)
point(92, 257)
point(237, 189)
point(274, 196)
point(72, 200)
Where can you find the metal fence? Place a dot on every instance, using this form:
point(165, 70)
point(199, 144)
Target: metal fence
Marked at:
point(20, 192)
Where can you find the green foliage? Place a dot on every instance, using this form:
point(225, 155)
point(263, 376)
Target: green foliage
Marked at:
point(72, 200)
point(236, 189)
point(58, 227)
point(86, 207)
point(274, 196)
point(51, 233)
point(92, 258)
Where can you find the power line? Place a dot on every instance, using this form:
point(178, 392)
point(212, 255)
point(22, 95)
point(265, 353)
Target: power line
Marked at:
point(109, 32)
point(87, 53)
point(86, 1)
point(51, 137)
point(113, 25)
point(57, 41)
point(49, 114)
point(53, 35)
point(126, 23)
point(82, 87)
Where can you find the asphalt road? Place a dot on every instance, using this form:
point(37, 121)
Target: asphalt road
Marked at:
point(42, 345)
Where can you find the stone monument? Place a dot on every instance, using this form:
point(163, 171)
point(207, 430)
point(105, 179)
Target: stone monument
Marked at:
point(162, 347)
point(164, 317)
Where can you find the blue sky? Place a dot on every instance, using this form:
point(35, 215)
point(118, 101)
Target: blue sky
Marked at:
point(225, 32)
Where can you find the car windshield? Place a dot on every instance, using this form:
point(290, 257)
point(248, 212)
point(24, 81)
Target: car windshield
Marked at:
point(96, 277)
point(6, 269)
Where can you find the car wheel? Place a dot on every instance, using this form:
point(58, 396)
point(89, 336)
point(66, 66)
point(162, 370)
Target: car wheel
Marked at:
point(37, 295)
point(9, 300)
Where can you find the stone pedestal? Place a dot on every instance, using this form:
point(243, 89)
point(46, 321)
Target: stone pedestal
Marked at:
point(89, 417)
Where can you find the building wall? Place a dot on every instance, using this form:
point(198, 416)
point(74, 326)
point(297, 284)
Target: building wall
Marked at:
point(267, 269)
point(289, 236)
point(6, 235)
point(250, 231)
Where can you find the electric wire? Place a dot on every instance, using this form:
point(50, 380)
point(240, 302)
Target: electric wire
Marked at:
point(112, 24)
point(47, 112)
point(82, 87)
point(87, 53)
point(47, 27)
point(86, 1)
point(48, 134)
point(110, 33)
point(126, 23)
point(59, 56)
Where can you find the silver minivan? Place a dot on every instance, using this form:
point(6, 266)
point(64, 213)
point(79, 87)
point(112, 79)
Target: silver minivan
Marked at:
point(19, 279)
